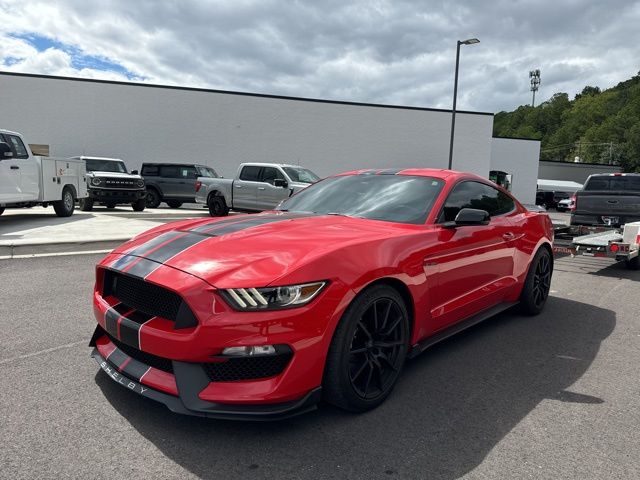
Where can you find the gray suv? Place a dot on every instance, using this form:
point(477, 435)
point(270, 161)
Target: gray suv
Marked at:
point(173, 183)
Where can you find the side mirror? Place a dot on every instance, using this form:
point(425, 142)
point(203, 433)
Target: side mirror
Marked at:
point(469, 217)
point(134, 172)
point(280, 182)
point(5, 151)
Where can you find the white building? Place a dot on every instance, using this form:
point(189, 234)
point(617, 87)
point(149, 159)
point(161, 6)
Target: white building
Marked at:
point(150, 123)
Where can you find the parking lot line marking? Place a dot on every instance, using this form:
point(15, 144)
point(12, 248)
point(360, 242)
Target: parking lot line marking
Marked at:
point(54, 254)
point(41, 352)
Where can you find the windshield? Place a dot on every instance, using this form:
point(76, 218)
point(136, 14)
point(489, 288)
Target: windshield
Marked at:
point(392, 198)
point(95, 165)
point(614, 183)
point(303, 175)
point(208, 172)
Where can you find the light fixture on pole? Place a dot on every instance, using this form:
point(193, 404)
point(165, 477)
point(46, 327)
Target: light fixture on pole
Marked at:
point(534, 75)
point(469, 41)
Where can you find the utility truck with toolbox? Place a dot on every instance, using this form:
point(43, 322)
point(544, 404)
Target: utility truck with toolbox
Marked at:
point(256, 187)
point(27, 180)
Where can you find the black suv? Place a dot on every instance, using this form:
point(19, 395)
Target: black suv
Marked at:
point(550, 199)
point(173, 183)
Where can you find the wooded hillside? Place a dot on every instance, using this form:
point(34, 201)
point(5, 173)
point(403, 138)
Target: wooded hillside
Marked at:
point(597, 126)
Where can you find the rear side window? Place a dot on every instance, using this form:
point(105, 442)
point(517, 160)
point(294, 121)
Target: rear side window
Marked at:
point(170, 171)
point(475, 195)
point(150, 170)
point(614, 183)
point(250, 173)
point(18, 147)
point(187, 172)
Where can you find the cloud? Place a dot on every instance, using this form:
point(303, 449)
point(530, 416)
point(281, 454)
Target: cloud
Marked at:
point(394, 52)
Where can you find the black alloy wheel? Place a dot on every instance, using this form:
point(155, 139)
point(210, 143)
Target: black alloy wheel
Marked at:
point(217, 206)
point(538, 283)
point(368, 350)
point(376, 356)
point(153, 198)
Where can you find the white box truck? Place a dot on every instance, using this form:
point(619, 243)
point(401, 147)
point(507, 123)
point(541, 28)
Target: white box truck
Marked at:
point(27, 180)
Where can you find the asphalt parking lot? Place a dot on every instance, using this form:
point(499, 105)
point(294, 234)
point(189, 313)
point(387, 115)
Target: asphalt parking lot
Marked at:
point(554, 396)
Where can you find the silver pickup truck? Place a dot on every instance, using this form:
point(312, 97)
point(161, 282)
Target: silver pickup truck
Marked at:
point(256, 187)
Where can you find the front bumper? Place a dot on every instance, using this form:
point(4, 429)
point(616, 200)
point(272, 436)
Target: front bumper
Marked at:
point(116, 196)
point(180, 392)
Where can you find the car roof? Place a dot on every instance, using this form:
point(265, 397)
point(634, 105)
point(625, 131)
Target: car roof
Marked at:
point(441, 173)
point(86, 157)
point(164, 164)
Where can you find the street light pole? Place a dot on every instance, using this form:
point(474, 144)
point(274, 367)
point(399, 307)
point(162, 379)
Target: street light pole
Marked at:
point(469, 41)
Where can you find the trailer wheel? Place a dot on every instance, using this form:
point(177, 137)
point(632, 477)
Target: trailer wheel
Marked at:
point(633, 264)
point(85, 204)
point(65, 206)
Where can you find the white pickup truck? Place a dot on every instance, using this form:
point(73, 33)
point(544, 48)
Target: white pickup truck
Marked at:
point(27, 180)
point(256, 187)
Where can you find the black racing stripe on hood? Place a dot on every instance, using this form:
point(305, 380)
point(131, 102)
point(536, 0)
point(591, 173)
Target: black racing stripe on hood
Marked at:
point(257, 221)
point(173, 248)
point(218, 223)
point(142, 268)
point(155, 242)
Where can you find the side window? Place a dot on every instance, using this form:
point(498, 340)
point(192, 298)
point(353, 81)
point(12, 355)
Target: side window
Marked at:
point(18, 146)
point(150, 171)
point(269, 174)
point(471, 195)
point(250, 173)
point(188, 172)
point(505, 204)
point(169, 171)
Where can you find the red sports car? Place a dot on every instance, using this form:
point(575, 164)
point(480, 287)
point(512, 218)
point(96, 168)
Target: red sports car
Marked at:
point(261, 316)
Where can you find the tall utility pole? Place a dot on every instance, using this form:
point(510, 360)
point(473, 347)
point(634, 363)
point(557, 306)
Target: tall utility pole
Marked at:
point(469, 41)
point(534, 75)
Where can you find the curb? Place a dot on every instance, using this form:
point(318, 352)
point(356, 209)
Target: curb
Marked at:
point(25, 249)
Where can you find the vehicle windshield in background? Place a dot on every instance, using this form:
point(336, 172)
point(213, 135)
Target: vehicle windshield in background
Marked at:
point(302, 175)
point(392, 198)
point(614, 183)
point(94, 165)
point(208, 172)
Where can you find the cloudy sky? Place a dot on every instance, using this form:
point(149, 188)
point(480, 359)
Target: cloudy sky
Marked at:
point(392, 52)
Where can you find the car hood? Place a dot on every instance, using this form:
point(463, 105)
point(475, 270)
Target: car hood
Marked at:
point(97, 173)
point(253, 250)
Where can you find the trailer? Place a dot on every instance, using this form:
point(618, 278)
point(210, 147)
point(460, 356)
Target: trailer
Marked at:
point(622, 244)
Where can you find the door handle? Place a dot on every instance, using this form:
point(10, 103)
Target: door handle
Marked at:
point(15, 167)
point(508, 236)
point(260, 188)
point(238, 186)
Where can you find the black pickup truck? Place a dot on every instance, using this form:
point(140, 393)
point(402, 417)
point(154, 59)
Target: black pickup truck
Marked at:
point(610, 199)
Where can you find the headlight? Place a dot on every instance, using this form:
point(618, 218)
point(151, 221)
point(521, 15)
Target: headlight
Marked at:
point(141, 183)
point(96, 181)
point(272, 298)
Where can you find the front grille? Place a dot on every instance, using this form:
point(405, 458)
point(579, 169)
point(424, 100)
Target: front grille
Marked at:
point(120, 183)
point(148, 298)
point(160, 363)
point(247, 368)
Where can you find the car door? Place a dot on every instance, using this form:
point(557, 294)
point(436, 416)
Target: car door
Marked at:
point(245, 188)
point(185, 189)
point(9, 179)
point(169, 180)
point(473, 266)
point(268, 194)
point(25, 170)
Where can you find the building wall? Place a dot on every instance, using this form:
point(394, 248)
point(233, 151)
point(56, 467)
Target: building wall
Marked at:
point(519, 157)
point(575, 172)
point(222, 129)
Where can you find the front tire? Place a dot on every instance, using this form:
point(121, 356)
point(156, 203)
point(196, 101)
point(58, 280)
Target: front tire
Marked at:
point(85, 204)
point(217, 206)
point(367, 351)
point(174, 204)
point(153, 198)
point(537, 284)
point(633, 264)
point(138, 205)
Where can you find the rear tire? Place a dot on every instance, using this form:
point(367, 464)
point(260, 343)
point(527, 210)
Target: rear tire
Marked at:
point(138, 205)
point(174, 204)
point(217, 206)
point(153, 198)
point(85, 204)
point(64, 207)
point(367, 351)
point(537, 284)
point(633, 264)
